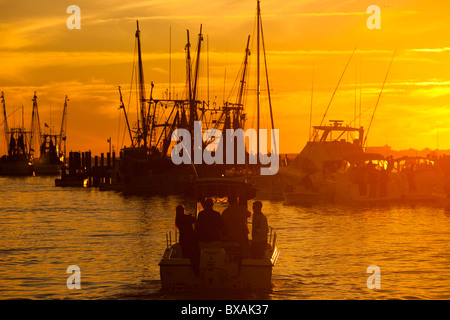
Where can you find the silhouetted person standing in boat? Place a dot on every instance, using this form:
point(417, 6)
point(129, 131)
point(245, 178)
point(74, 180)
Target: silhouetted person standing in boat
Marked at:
point(188, 240)
point(209, 225)
point(260, 230)
point(235, 224)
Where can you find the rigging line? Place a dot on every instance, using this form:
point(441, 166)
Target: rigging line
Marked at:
point(267, 74)
point(311, 106)
point(358, 116)
point(233, 88)
point(337, 86)
point(379, 96)
point(170, 60)
point(356, 75)
point(118, 130)
point(225, 75)
point(207, 65)
point(129, 94)
point(268, 89)
point(360, 87)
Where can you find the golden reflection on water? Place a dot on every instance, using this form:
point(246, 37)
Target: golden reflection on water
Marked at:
point(117, 242)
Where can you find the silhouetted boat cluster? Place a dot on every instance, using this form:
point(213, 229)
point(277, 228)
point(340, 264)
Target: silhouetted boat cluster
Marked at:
point(331, 168)
point(22, 159)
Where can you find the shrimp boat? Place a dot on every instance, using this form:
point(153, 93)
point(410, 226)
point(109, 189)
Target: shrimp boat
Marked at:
point(220, 267)
point(18, 161)
point(146, 166)
point(51, 154)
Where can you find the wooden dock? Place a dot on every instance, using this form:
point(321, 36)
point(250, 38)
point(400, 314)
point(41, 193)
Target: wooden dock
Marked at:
point(83, 170)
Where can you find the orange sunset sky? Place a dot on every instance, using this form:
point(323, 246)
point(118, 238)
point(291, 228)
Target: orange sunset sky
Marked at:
point(304, 40)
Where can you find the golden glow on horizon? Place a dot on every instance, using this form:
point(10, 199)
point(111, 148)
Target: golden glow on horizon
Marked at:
point(40, 54)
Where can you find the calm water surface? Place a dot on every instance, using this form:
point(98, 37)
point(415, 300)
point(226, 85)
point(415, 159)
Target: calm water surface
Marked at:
point(117, 242)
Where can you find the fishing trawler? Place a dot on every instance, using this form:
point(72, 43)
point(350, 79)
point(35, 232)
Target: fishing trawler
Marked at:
point(145, 166)
point(220, 264)
point(48, 163)
point(18, 160)
point(51, 153)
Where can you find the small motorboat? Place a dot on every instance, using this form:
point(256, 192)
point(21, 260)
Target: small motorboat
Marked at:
point(220, 264)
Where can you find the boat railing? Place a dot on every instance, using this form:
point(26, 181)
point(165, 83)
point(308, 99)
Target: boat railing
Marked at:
point(171, 235)
point(272, 238)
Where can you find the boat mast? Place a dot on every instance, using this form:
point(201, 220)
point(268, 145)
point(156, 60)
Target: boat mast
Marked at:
point(260, 38)
point(199, 46)
point(189, 80)
point(170, 60)
point(5, 120)
point(142, 99)
point(35, 124)
point(267, 83)
point(62, 133)
point(244, 74)
point(311, 106)
point(258, 91)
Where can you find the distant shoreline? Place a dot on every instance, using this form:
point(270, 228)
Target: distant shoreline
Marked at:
point(388, 151)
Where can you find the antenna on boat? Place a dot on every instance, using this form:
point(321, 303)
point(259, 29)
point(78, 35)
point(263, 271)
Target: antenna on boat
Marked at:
point(311, 106)
point(170, 60)
point(379, 96)
point(207, 65)
point(437, 138)
point(337, 86)
point(360, 89)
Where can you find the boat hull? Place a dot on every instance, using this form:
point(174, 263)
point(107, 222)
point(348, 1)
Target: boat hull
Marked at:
point(307, 198)
point(16, 168)
point(217, 271)
point(69, 181)
point(47, 169)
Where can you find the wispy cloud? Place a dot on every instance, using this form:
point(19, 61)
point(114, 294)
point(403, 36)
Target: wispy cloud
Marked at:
point(327, 14)
point(432, 49)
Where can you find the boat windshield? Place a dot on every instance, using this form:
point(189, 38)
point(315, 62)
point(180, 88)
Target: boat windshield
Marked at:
point(414, 164)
